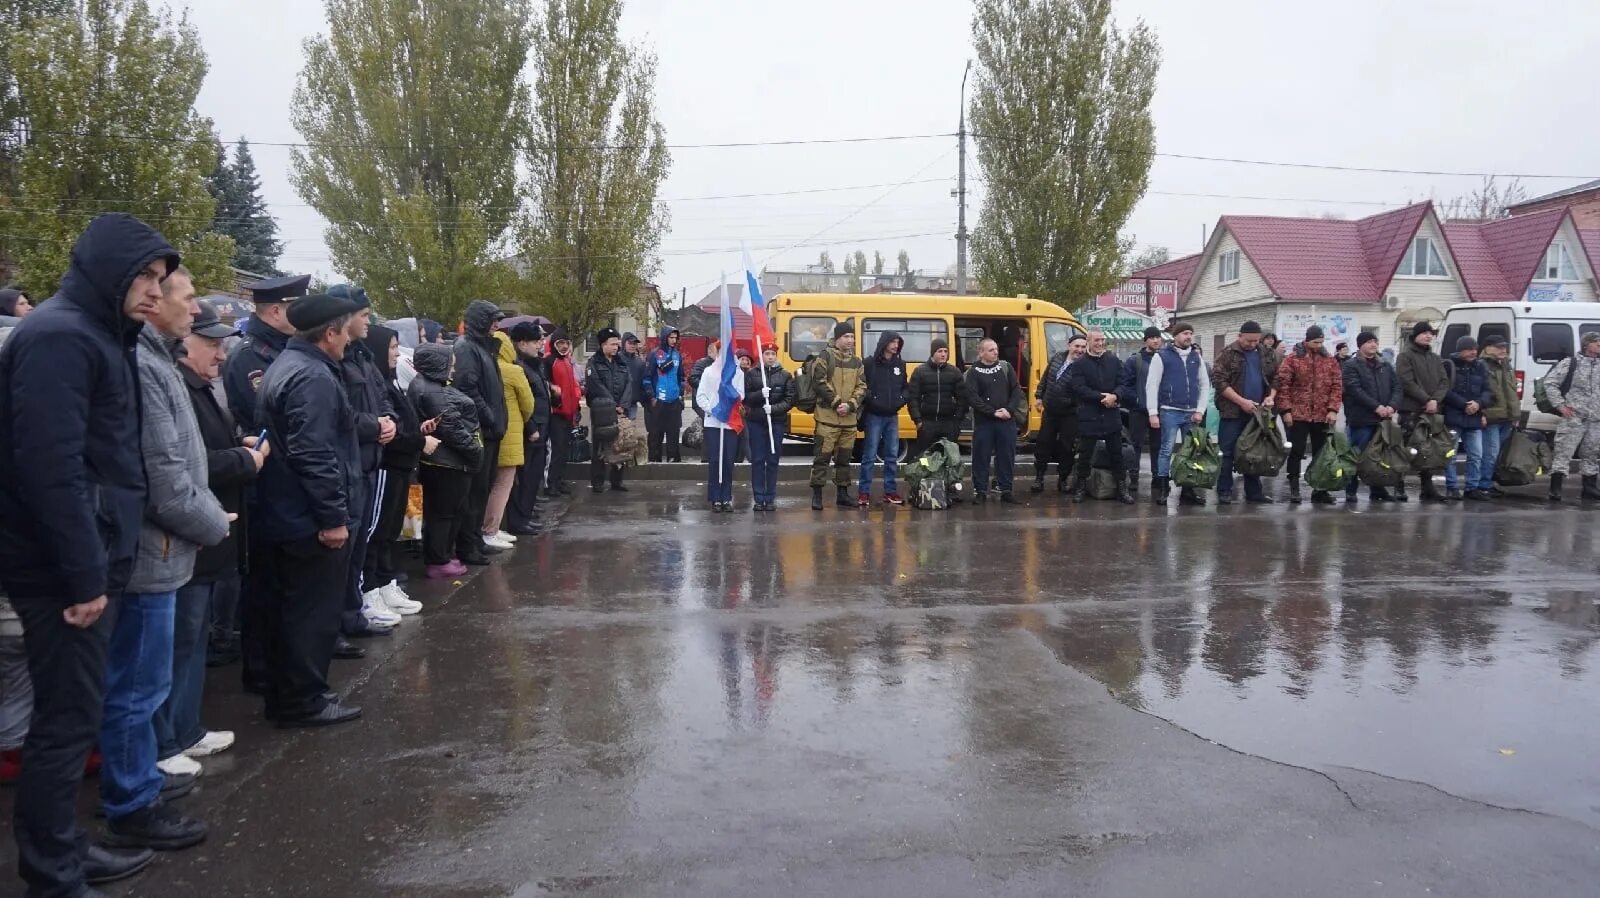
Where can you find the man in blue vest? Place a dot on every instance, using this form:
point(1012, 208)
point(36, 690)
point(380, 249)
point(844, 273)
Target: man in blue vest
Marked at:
point(1176, 391)
point(1135, 374)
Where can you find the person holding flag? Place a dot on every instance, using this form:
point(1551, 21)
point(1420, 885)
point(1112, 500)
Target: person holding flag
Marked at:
point(767, 395)
point(721, 394)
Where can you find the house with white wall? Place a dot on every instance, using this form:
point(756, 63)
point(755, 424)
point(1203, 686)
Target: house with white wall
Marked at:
point(1382, 273)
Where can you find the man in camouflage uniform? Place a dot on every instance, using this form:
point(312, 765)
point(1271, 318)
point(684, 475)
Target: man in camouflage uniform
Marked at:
point(1579, 404)
point(841, 388)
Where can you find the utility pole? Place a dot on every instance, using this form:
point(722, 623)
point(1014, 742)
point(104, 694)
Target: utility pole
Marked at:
point(961, 191)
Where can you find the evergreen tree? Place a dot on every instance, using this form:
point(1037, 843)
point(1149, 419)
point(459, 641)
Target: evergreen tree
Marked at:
point(242, 213)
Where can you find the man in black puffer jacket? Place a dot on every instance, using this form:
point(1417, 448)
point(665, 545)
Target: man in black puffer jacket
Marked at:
point(478, 377)
point(608, 387)
point(1058, 429)
point(72, 497)
point(937, 398)
point(1095, 379)
point(885, 374)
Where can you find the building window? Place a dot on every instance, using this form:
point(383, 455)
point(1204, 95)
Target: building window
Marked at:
point(1558, 264)
point(1228, 268)
point(1422, 261)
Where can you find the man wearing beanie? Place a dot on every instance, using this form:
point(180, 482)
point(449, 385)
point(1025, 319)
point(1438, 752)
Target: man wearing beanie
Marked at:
point(1135, 375)
point(937, 398)
point(1505, 407)
point(1310, 389)
point(1426, 383)
point(1464, 413)
point(1244, 377)
point(1371, 395)
point(841, 388)
point(608, 388)
point(1176, 390)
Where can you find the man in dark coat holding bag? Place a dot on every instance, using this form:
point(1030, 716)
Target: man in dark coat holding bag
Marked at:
point(1095, 379)
point(1371, 396)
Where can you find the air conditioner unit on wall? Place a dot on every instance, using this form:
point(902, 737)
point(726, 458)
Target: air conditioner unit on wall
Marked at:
point(1391, 303)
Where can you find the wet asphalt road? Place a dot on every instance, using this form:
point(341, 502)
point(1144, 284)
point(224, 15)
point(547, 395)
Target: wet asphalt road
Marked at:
point(1054, 700)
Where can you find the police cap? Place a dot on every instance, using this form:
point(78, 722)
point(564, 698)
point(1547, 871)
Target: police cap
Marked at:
point(284, 289)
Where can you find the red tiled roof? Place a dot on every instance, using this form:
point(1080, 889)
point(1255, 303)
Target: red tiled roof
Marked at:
point(1519, 245)
point(743, 327)
point(1480, 272)
point(1385, 237)
point(1181, 270)
point(1307, 259)
point(1591, 247)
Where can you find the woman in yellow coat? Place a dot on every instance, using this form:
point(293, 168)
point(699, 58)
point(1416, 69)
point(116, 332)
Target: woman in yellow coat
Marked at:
point(519, 408)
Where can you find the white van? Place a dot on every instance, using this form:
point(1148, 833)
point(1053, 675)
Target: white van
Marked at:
point(1539, 333)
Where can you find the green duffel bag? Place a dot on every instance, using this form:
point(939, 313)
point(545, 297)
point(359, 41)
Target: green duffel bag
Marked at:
point(1196, 462)
point(1435, 443)
point(1386, 461)
point(1333, 467)
point(1523, 460)
point(1261, 450)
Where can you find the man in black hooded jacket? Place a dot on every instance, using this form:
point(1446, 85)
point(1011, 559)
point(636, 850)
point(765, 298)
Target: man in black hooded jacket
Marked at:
point(478, 376)
point(70, 470)
point(885, 374)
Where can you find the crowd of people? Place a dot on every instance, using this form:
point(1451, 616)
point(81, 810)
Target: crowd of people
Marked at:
point(176, 495)
point(1093, 404)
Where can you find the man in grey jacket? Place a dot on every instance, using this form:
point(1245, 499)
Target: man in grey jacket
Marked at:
point(181, 515)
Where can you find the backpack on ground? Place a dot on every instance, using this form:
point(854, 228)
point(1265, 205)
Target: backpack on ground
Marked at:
point(937, 476)
point(1196, 462)
point(805, 381)
point(1541, 398)
point(1103, 483)
point(1334, 465)
point(1434, 442)
point(1261, 450)
point(1523, 460)
point(694, 436)
point(1386, 461)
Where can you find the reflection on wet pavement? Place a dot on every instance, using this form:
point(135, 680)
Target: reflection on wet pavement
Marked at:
point(660, 701)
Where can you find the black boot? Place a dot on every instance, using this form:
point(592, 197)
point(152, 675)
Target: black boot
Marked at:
point(1133, 484)
point(1038, 482)
point(1555, 486)
point(1188, 496)
point(1430, 493)
point(1080, 491)
point(842, 498)
point(1294, 489)
point(1159, 491)
point(1591, 487)
point(816, 498)
point(1068, 484)
point(1124, 495)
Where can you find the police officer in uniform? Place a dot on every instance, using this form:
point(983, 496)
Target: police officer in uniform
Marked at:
point(264, 338)
point(306, 508)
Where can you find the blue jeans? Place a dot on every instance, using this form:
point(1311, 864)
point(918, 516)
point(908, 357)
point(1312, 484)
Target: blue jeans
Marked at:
point(1228, 432)
point(719, 476)
point(1359, 438)
point(138, 678)
point(1174, 427)
point(1494, 436)
point(177, 721)
point(883, 431)
point(763, 459)
point(1472, 442)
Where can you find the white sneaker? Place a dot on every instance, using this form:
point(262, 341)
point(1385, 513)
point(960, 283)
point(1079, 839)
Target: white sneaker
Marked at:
point(397, 600)
point(180, 765)
point(376, 611)
point(498, 539)
point(213, 742)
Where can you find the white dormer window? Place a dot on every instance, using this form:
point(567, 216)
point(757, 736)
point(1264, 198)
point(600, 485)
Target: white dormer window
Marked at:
point(1422, 261)
point(1558, 264)
point(1228, 267)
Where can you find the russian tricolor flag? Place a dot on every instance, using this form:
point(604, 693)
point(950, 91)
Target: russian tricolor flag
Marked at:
point(721, 390)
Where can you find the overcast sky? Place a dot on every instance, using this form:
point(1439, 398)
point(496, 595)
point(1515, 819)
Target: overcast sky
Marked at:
point(1437, 85)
